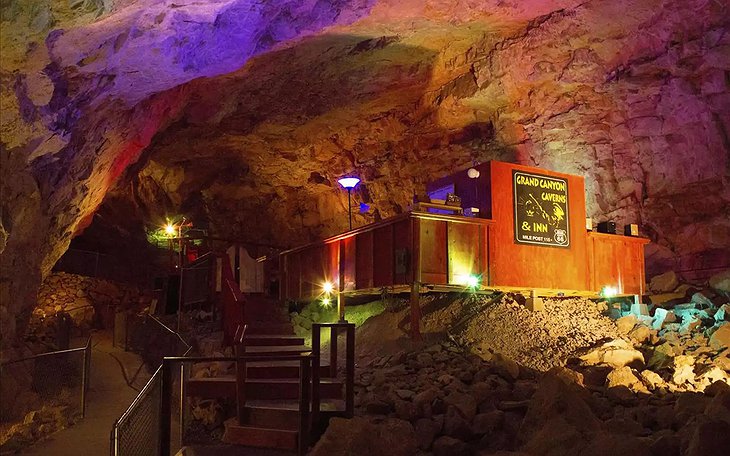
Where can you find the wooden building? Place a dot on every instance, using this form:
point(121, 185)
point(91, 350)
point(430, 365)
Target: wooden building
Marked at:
point(527, 231)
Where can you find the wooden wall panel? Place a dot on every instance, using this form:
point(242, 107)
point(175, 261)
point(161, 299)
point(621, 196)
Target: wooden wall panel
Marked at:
point(535, 266)
point(433, 252)
point(332, 262)
point(364, 260)
point(403, 242)
point(383, 256)
point(347, 263)
point(466, 252)
point(293, 276)
point(616, 261)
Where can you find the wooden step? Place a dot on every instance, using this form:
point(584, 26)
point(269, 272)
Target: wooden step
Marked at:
point(257, 389)
point(259, 437)
point(274, 350)
point(279, 369)
point(270, 328)
point(282, 414)
point(273, 340)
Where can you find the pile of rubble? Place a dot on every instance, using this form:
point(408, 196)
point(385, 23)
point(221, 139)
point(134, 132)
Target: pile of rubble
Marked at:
point(87, 301)
point(443, 401)
point(567, 380)
point(537, 340)
point(35, 426)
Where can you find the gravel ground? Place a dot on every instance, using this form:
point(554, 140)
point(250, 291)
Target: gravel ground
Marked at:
point(537, 340)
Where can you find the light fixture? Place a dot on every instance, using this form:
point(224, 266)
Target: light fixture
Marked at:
point(326, 302)
point(472, 281)
point(327, 287)
point(170, 229)
point(473, 173)
point(609, 291)
point(349, 183)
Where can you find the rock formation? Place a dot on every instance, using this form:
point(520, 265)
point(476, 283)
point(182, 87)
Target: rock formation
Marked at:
point(242, 115)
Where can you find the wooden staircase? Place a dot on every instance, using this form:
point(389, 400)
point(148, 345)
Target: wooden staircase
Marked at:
point(273, 405)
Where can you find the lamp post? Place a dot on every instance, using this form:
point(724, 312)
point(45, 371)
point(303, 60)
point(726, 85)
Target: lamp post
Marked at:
point(349, 183)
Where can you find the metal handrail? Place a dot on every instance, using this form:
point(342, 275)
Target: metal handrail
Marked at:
point(305, 399)
point(40, 355)
point(139, 396)
point(85, 370)
point(176, 334)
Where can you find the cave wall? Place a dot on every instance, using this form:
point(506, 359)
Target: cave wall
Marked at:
point(245, 114)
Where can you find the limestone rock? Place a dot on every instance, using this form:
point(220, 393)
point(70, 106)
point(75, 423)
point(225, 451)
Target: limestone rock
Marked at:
point(720, 339)
point(664, 283)
point(617, 353)
point(623, 376)
point(360, 436)
point(626, 323)
point(449, 446)
point(721, 282)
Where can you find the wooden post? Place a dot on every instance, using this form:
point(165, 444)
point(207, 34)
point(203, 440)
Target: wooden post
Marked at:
point(416, 310)
point(341, 306)
point(304, 415)
point(315, 372)
point(333, 351)
point(350, 371)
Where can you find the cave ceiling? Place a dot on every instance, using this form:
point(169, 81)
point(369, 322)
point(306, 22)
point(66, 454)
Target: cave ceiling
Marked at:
point(241, 115)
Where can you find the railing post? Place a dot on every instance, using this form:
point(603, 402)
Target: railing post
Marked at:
point(305, 381)
point(183, 409)
point(165, 407)
point(316, 329)
point(333, 350)
point(350, 371)
point(85, 376)
point(240, 382)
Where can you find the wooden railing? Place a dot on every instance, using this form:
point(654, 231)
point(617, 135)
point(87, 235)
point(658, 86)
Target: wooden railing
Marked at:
point(335, 329)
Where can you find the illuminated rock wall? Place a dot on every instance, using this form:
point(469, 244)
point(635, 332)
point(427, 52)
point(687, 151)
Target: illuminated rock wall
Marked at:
point(242, 114)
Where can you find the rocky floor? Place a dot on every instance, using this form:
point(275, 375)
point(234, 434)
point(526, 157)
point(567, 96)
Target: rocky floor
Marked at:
point(570, 380)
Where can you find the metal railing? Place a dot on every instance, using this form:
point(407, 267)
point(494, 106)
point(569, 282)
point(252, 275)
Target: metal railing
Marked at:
point(101, 265)
point(147, 336)
point(146, 427)
point(56, 378)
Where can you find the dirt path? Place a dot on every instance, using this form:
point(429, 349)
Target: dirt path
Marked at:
point(109, 396)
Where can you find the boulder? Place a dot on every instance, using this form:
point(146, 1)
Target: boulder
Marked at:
point(652, 380)
point(711, 438)
point(640, 334)
point(702, 300)
point(464, 403)
point(661, 317)
point(720, 339)
point(624, 376)
point(720, 282)
point(605, 444)
point(487, 423)
point(616, 353)
point(664, 283)
point(723, 313)
point(449, 446)
point(362, 437)
point(426, 430)
point(626, 323)
point(558, 397)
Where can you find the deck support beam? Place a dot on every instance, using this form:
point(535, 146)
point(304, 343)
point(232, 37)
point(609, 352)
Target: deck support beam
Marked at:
point(416, 310)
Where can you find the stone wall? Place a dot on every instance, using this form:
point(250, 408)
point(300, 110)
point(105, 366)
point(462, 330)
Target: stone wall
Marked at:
point(90, 303)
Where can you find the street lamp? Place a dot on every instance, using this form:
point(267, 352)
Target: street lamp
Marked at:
point(349, 183)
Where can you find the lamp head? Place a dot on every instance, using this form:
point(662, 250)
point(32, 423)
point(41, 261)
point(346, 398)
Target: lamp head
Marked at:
point(348, 182)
